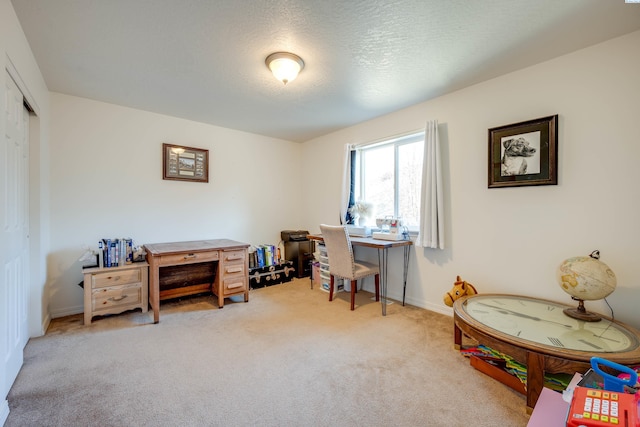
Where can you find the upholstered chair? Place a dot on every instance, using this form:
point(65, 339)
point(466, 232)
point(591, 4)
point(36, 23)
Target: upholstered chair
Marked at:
point(342, 263)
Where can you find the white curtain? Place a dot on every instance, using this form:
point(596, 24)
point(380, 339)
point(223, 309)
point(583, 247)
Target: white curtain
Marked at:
point(346, 182)
point(432, 209)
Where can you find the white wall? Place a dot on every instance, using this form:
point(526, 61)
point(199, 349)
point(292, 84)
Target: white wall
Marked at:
point(511, 240)
point(106, 181)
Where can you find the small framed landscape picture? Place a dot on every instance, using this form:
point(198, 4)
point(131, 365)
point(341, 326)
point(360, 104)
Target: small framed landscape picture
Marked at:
point(524, 153)
point(185, 163)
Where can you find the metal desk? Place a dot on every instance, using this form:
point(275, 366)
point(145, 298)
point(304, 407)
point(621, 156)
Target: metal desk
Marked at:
point(383, 247)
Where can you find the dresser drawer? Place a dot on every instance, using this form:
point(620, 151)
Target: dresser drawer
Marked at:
point(107, 299)
point(189, 258)
point(234, 256)
point(115, 278)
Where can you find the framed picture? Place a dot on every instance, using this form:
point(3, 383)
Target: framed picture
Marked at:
point(524, 153)
point(185, 163)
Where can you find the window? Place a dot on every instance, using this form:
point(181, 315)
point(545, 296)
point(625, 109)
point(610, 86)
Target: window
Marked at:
point(389, 175)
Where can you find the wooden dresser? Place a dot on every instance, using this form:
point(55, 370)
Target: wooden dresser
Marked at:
point(115, 289)
point(186, 268)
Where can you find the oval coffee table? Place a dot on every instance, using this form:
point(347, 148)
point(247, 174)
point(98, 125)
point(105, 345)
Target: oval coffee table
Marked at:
point(538, 334)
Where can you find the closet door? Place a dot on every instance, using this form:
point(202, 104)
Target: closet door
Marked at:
point(14, 234)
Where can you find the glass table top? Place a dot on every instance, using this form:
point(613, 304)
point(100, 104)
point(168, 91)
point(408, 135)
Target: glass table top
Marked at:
point(543, 322)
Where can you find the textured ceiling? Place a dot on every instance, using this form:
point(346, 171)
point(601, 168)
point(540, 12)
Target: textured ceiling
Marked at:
point(204, 59)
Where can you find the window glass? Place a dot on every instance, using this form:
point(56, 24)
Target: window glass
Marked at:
point(389, 176)
point(409, 182)
point(378, 180)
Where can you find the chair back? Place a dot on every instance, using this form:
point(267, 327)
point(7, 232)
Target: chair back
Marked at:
point(339, 251)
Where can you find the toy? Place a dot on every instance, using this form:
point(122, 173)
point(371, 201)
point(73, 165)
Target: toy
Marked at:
point(460, 288)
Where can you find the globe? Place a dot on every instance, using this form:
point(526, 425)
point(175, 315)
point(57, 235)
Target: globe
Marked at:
point(586, 278)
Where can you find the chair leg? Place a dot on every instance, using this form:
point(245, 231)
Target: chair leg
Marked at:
point(331, 288)
point(354, 285)
point(377, 279)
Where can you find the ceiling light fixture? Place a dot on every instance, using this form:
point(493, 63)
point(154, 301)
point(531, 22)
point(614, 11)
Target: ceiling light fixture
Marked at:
point(285, 66)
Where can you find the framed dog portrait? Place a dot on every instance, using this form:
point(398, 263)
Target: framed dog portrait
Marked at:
point(524, 153)
point(185, 163)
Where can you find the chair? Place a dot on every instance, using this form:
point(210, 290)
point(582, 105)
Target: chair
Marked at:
point(342, 263)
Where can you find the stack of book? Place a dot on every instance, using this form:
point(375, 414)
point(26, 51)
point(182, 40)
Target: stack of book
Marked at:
point(116, 252)
point(264, 256)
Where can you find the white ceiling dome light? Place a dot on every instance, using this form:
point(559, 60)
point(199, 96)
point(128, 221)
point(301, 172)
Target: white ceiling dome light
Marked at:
point(285, 66)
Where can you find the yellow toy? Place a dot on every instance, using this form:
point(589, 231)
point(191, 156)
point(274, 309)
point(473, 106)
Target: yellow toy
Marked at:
point(460, 288)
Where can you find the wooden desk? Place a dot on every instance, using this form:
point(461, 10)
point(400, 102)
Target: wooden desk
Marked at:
point(547, 350)
point(383, 247)
point(231, 277)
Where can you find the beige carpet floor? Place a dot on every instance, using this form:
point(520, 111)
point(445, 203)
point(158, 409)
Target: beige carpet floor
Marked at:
point(288, 357)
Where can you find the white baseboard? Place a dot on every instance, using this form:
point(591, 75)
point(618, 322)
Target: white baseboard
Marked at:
point(67, 311)
point(447, 311)
point(45, 323)
point(4, 412)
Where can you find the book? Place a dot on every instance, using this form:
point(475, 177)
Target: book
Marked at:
point(268, 255)
point(260, 256)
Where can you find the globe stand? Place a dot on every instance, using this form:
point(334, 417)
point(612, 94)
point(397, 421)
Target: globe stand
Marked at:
point(580, 313)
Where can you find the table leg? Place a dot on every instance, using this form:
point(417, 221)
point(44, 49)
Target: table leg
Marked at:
point(457, 337)
point(312, 246)
point(407, 251)
point(382, 264)
point(154, 289)
point(535, 378)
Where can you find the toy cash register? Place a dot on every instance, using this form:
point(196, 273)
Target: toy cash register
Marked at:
point(608, 407)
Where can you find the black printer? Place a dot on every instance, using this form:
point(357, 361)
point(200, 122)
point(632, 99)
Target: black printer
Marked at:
point(297, 248)
point(294, 235)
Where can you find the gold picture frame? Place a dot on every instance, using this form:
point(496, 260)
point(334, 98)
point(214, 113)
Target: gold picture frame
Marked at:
point(182, 163)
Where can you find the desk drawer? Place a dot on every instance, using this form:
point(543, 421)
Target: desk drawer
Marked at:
point(115, 278)
point(233, 285)
point(189, 258)
point(235, 256)
point(234, 270)
point(107, 299)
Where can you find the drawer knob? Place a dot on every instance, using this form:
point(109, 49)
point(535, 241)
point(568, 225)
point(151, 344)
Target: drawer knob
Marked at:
point(190, 256)
point(116, 299)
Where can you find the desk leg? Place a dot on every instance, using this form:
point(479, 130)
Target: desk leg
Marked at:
point(535, 378)
point(407, 251)
point(382, 264)
point(154, 289)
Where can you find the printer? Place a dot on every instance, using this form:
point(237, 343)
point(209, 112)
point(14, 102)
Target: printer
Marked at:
point(294, 235)
point(297, 248)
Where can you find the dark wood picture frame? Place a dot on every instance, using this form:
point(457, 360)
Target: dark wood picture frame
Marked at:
point(185, 163)
point(524, 153)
